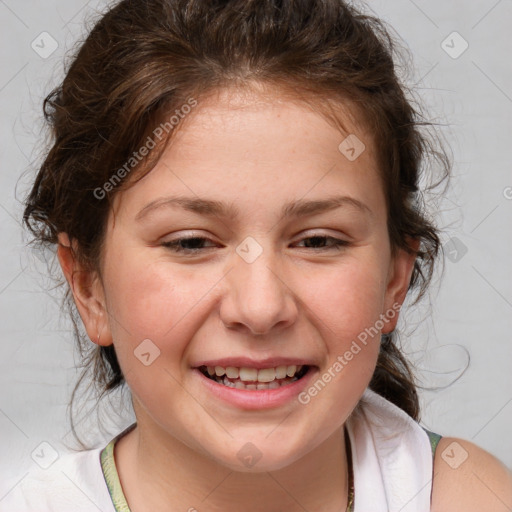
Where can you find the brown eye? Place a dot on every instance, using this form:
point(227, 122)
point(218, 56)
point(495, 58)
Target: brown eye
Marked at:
point(187, 245)
point(317, 242)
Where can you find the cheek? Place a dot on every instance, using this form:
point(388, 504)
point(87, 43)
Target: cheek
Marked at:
point(149, 302)
point(156, 301)
point(348, 299)
point(347, 304)
point(151, 298)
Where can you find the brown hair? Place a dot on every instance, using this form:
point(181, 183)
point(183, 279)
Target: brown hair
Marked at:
point(146, 58)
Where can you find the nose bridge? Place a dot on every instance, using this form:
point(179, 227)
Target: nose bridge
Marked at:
point(258, 296)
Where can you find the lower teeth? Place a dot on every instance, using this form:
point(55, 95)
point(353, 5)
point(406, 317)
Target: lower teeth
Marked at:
point(238, 384)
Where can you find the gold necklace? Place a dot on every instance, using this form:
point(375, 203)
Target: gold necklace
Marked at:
point(351, 494)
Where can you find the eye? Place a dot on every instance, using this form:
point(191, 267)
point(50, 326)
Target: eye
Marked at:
point(194, 245)
point(314, 241)
point(187, 245)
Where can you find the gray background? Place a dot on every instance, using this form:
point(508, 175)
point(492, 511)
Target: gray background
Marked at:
point(468, 315)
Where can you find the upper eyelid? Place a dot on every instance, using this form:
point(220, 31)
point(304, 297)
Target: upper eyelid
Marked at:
point(307, 234)
point(312, 231)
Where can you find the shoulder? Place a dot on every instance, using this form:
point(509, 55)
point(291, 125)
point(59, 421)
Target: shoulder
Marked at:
point(468, 478)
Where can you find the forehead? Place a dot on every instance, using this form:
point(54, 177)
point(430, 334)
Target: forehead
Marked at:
point(291, 115)
point(250, 141)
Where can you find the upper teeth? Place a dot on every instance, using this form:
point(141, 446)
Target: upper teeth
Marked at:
point(253, 374)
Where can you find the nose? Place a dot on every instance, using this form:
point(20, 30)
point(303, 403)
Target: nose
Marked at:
point(258, 297)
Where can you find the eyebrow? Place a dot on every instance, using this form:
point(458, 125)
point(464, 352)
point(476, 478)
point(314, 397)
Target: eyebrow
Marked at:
point(212, 208)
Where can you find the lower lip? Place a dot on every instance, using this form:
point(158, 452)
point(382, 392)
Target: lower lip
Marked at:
point(258, 398)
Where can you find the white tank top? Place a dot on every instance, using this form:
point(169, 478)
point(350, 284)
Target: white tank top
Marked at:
point(391, 460)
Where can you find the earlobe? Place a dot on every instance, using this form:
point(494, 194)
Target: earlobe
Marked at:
point(401, 270)
point(87, 292)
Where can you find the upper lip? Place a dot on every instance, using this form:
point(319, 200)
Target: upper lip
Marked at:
point(247, 362)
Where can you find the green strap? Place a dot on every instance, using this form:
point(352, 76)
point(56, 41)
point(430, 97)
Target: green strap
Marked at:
point(112, 479)
point(434, 440)
point(111, 476)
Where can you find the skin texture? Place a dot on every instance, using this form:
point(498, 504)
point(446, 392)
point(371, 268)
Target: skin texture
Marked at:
point(257, 153)
point(481, 482)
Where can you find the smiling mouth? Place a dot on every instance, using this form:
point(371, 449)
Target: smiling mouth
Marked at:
point(254, 379)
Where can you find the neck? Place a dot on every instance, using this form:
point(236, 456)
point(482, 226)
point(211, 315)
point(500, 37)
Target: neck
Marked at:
point(157, 470)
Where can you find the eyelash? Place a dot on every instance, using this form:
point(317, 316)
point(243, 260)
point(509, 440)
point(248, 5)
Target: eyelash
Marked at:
point(174, 245)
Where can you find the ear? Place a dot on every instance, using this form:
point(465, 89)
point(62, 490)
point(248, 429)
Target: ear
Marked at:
point(87, 292)
point(399, 277)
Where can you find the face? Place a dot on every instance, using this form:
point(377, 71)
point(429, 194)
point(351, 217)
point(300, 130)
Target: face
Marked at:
point(275, 253)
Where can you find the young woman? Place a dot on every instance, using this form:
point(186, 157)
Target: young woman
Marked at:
point(233, 189)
